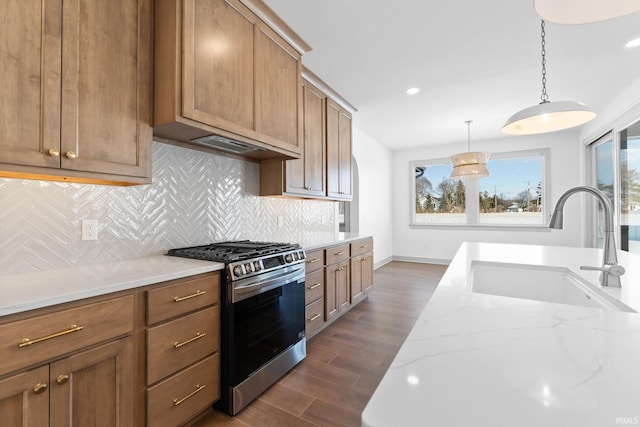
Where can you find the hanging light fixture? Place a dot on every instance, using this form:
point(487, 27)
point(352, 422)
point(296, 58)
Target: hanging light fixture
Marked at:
point(584, 11)
point(547, 116)
point(470, 165)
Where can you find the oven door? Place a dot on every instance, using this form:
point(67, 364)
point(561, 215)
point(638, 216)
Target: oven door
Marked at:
point(264, 325)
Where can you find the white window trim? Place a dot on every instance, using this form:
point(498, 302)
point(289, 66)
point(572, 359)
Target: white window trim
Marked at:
point(472, 190)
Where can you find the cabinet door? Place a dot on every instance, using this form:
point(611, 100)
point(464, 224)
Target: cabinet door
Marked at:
point(367, 272)
point(338, 152)
point(24, 399)
point(331, 293)
point(106, 87)
point(30, 31)
point(218, 65)
point(357, 291)
point(343, 278)
point(94, 387)
point(306, 175)
point(278, 86)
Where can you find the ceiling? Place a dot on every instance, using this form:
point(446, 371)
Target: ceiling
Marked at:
point(473, 60)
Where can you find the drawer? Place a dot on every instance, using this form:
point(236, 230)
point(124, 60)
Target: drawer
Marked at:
point(184, 395)
point(314, 314)
point(337, 253)
point(183, 297)
point(361, 246)
point(176, 344)
point(315, 260)
point(51, 335)
point(314, 286)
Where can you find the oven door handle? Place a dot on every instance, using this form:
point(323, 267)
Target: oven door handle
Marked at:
point(243, 292)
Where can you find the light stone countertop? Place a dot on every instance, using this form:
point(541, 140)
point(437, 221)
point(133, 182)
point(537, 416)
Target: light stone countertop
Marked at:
point(28, 291)
point(476, 359)
point(312, 241)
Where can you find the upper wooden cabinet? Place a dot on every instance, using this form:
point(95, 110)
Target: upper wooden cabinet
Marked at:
point(326, 154)
point(76, 90)
point(339, 166)
point(222, 70)
point(304, 176)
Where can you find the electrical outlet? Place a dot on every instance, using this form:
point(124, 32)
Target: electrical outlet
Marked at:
point(89, 229)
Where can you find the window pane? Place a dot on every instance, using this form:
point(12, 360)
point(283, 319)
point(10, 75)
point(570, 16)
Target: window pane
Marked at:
point(604, 182)
point(439, 199)
point(630, 188)
point(512, 194)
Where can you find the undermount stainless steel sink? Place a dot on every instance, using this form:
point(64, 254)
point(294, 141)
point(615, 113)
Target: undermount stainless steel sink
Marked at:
point(539, 283)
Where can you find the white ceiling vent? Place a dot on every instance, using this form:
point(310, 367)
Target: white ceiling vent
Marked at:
point(225, 144)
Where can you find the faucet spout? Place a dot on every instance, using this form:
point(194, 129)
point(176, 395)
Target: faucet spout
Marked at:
point(611, 272)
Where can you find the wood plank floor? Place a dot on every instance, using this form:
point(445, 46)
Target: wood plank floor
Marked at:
point(346, 361)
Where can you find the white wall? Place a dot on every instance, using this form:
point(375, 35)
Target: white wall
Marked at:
point(375, 193)
point(440, 244)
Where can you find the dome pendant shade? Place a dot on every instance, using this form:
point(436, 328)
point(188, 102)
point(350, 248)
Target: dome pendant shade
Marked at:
point(548, 117)
point(470, 165)
point(584, 11)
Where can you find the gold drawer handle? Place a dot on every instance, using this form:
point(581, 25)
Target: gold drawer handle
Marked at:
point(26, 342)
point(197, 294)
point(40, 388)
point(315, 285)
point(177, 401)
point(363, 246)
point(311, 261)
point(340, 253)
point(62, 379)
point(314, 317)
point(71, 155)
point(197, 337)
point(53, 152)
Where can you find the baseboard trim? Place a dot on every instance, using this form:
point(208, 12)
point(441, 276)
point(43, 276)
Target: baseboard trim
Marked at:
point(382, 263)
point(422, 260)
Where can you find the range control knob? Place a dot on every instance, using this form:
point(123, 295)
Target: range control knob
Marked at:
point(257, 266)
point(301, 255)
point(237, 271)
point(288, 258)
point(248, 267)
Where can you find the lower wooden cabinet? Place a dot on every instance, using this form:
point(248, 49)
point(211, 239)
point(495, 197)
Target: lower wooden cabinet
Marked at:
point(24, 398)
point(85, 375)
point(346, 273)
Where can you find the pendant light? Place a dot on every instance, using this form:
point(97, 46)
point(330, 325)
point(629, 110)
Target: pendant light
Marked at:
point(470, 165)
point(584, 11)
point(547, 116)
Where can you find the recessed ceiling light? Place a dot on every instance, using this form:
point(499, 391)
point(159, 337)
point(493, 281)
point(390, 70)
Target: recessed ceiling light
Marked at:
point(633, 43)
point(413, 90)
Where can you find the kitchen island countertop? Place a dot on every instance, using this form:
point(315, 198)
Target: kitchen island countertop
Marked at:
point(485, 360)
point(28, 291)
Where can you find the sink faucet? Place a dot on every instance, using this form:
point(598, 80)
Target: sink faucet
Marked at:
point(610, 269)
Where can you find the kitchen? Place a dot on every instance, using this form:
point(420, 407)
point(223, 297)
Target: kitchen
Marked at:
point(197, 198)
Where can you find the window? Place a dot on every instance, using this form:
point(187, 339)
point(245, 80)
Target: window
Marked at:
point(513, 195)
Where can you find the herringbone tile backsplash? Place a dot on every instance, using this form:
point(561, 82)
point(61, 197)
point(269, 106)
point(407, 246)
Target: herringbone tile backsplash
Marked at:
point(195, 198)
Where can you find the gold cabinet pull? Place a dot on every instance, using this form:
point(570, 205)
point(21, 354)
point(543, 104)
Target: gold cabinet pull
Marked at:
point(177, 401)
point(26, 342)
point(62, 379)
point(197, 294)
point(363, 246)
point(314, 317)
point(340, 269)
point(197, 337)
point(311, 261)
point(40, 388)
point(71, 155)
point(53, 152)
point(315, 285)
point(340, 253)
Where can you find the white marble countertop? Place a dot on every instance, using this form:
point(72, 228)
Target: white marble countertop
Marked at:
point(475, 359)
point(311, 241)
point(23, 292)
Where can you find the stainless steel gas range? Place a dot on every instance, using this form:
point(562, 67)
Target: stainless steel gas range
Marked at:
point(263, 324)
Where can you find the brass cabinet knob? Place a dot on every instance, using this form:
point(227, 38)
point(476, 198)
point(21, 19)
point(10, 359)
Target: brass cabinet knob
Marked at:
point(62, 379)
point(71, 155)
point(40, 388)
point(54, 153)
